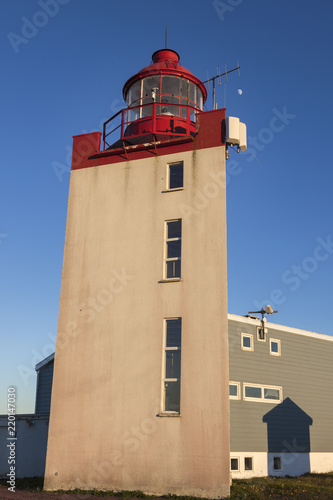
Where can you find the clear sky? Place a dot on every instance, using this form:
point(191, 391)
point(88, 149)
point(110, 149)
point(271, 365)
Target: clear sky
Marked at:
point(64, 63)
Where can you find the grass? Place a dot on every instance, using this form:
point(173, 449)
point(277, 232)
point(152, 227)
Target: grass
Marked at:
point(307, 487)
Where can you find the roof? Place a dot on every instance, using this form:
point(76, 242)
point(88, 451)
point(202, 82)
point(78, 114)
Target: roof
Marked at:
point(44, 362)
point(275, 326)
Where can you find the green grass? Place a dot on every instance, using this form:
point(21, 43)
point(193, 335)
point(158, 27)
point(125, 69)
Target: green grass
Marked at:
point(307, 487)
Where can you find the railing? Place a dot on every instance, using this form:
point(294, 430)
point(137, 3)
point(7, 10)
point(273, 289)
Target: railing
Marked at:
point(174, 120)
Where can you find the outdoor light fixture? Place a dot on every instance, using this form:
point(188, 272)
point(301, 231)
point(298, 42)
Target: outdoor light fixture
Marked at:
point(268, 310)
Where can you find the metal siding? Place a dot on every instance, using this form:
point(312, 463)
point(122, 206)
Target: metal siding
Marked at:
point(43, 397)
point(305, 372)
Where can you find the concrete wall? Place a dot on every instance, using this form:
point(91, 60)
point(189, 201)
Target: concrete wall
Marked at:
point(30, 445)
point(105, 431)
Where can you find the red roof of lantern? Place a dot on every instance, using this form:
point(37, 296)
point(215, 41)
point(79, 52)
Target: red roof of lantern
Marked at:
point(165, 61)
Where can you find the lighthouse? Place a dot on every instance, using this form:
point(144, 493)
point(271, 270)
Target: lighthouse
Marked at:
point(140, 397)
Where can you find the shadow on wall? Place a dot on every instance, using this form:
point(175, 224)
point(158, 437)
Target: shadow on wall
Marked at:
point(288, 438)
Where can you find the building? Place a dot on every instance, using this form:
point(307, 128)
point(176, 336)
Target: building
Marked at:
point(140, 392)
point(31, 430)
point(281, 400)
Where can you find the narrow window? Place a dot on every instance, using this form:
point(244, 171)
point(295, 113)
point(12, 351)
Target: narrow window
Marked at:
point(248, 463)
point(173, 244)
point(175, 175)
point(277, 463)
point(252, 392)
point(234, 464)
point(270, 393)
point(234, 390)
point(261, 334)
point(262, 393)
point(172, 357)
point(247, 342)
point(275, 347)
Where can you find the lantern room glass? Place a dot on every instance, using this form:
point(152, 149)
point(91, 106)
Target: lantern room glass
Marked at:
point(169, 91)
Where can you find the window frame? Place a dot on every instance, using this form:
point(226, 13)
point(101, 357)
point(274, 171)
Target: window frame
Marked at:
point(278, 341)
point(248, 458)
point(171, 259)
point(259, 328)
point(244, 335)
point(262, 399)
point(168, 188)
point(238, 462)
point(238, 396)
point(165, 379)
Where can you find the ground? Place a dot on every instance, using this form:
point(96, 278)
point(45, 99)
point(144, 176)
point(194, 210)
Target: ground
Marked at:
point(307, 487)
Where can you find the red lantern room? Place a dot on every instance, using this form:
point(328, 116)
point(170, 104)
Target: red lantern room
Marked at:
point(162, 101)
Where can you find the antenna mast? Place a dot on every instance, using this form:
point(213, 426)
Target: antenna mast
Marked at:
point(218, 76)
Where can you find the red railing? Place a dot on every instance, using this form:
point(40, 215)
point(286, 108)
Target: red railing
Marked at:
point(153, 118)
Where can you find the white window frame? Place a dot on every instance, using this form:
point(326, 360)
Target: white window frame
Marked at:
point(238, 462)
point(251, 348)
point(237, 384)
point(171, 259)
point(258, 335)
point(278, 341)
point(262, 399)
point(168, 188)
point(165, 412)
point(245, 469)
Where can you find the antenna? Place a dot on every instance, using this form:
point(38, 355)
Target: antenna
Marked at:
point(218, 76)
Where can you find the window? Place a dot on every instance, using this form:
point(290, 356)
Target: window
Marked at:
point(171, 369)
point(275, 347)
point(262, 393)
point(261, 334)
point(172, 251)
point(234, 464)
point(234, 392)
point(248, 463)
point(247, 342)
point(175, 175)
point(277, 463)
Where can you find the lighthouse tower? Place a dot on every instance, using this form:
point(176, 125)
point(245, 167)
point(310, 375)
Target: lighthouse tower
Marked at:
point(140, 396)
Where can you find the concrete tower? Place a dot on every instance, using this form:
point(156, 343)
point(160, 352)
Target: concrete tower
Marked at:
point(140, 395)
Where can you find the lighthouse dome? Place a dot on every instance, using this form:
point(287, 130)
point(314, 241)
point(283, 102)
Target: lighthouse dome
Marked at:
point(163, 98)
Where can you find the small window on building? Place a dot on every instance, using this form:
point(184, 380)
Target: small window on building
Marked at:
point(261, 334)
point(234, 392)
point(248, 463)
point(234, 464)
point(262, 393)
point(271, 393)
point(172, 250)
point(252, 392)
point(247, 342)
point(175, 175)
point(172, 358)
point(277, 465)
point(275, 347)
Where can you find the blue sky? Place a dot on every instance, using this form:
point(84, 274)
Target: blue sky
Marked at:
point(64, 65)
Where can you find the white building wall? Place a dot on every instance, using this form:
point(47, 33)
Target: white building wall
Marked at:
point(321, 462)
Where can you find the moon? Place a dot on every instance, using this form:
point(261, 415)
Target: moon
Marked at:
point(240, 91)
